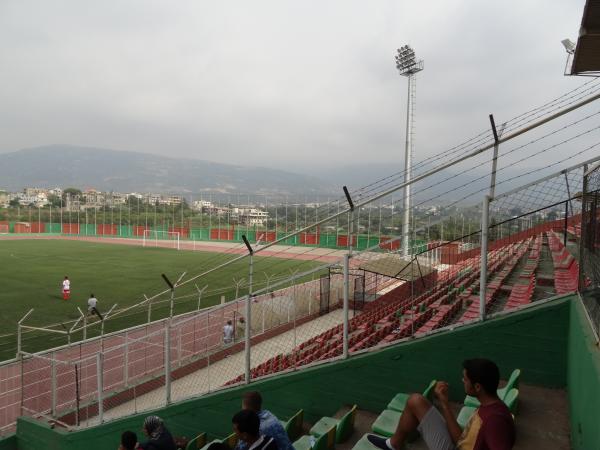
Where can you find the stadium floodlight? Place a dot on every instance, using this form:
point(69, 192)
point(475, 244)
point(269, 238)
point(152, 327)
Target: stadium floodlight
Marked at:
point(408, 65)
point(569, 46)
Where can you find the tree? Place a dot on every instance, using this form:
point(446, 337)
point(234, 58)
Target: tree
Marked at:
point(72, 192)
point(14, 203)
point(54, 200)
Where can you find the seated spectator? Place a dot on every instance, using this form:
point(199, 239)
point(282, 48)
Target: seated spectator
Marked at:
point(246, 426)
point(490, 428)
point(269, 424)
point(159, 437)
point(128, 441)
point(218, 446)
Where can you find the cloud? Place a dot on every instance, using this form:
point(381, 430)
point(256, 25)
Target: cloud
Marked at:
point(282, 84)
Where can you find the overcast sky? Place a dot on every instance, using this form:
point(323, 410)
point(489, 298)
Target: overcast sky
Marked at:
point(273, 83)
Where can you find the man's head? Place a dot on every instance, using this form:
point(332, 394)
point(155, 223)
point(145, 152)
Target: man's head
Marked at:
point(480, 376)
point(229, 322)
point(128, 440)
point(152, 424)
point(92, 296)
point(66, 277)
point(246, 425)
point(252, 401)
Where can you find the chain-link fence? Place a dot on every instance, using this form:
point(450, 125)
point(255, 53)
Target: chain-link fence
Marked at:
point(589, 234)
point(296, 305)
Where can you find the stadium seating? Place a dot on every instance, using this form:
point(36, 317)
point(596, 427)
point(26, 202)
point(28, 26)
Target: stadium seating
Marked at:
point(344, 426)
point(512, 382)
point(196, 443)
point(324, 442)
point(293, 426)
point(510, 399)
point(398, 403)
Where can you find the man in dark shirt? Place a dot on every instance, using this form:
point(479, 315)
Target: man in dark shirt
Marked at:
point(490, 428)
point(246, 424)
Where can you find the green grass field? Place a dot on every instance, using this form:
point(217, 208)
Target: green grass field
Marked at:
point(33, 270)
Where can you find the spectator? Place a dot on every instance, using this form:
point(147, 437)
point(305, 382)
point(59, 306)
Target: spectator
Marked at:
point(269, 424)
point(246, 425)
point(490, 428)
point(228, 333)
point(128, 441)
point(159, 437)
point(218, 446)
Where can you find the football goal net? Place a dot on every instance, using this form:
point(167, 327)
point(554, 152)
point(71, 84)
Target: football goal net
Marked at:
point(158, 238)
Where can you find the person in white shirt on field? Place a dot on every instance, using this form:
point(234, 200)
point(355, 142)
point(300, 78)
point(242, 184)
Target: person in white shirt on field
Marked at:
point(66, 288)
point(92, 305)
point(228, 333)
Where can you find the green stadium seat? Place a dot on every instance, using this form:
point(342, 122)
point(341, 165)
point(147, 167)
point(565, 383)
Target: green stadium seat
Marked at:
point(344, 425)
point(324, 442)
point(196, 443)
point(293, 426)
point(231, 441)
point(513, 382)
point(510, 400)
point(364, 444)
point(386, 423)
point(465, 414)
point(398, 403)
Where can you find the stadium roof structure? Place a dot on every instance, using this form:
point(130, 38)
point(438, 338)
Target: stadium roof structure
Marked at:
point(397, 267)
point(586, 60)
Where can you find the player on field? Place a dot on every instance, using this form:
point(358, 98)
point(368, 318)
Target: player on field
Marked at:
point(66, 288)
point(92, 305)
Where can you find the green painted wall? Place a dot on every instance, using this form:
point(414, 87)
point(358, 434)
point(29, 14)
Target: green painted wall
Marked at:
point(583, 381)
point(9, 443)
point(534, 340)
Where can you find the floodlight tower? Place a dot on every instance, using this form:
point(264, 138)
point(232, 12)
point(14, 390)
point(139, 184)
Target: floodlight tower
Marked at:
point(408, 66)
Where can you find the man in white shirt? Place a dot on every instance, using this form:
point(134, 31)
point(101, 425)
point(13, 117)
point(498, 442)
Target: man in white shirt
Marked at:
point(228, 333)
point(92, 305)
point(66, 288)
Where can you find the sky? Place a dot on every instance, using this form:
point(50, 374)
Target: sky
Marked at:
point(281, 84)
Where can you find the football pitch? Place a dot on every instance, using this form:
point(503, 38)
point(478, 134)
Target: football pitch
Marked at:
point(33, 270)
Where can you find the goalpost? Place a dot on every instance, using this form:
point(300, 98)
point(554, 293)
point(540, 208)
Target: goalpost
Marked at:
point(159, 235)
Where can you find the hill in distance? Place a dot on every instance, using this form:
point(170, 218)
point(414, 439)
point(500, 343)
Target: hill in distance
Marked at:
point(122, 171)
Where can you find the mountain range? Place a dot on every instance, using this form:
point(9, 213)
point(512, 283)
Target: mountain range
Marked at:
point(122, 171)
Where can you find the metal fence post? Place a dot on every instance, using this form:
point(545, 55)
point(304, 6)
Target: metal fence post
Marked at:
point(100, 374)
point(248, 321)
point(53, 387)
point(168, 362)
point(484, 257)
point(126, 360)
point(346, 301)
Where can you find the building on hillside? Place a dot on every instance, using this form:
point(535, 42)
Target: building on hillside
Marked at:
point(249, 216)
point(38, 200)
point(201, 205)
point(33, 191)
point(92, 198)
point(4, 199)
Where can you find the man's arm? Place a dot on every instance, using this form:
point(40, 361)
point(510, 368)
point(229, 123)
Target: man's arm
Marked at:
point(441, 392)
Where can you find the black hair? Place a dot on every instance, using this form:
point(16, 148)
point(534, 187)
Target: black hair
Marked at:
point(128, 440)
point(247, 421)
point(484, 372)
point(252, 400)
point(218, 446)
